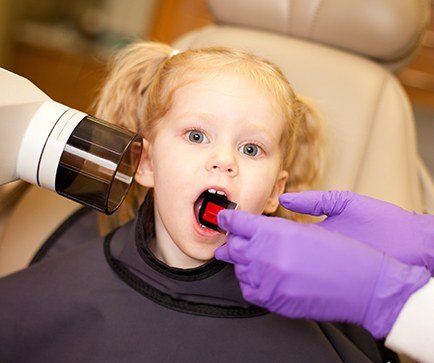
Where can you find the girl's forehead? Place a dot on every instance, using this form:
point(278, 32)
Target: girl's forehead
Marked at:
point(224, 80)
point(221, 99)
point(231, 87)
point(226, 90)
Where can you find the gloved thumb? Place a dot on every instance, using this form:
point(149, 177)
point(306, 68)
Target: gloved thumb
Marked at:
point(237, 222)
point(316, 202)
point(222, 254)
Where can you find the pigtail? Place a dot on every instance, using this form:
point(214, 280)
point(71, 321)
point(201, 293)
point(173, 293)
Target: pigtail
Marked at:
point(123, 101)
point(306, 157)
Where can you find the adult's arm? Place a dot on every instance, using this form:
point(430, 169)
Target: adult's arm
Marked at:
point(413, 331)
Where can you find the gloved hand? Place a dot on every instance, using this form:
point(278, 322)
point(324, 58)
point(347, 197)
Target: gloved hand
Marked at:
point(305, 271)
point(409, 237)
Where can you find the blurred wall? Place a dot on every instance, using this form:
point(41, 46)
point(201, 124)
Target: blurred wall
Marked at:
point(418, 76)
point(176, 17)
point(5, 31)
point(62, 45)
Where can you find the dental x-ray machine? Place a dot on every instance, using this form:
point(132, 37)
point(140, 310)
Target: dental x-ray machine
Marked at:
point(56, 147)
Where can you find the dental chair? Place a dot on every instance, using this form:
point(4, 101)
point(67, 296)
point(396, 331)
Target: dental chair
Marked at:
point(339, 53)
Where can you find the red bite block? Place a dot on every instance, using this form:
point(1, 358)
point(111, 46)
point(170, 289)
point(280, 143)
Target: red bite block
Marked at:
point(211, 211)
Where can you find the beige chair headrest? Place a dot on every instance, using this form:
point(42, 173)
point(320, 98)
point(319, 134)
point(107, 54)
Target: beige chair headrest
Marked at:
point(387, 31)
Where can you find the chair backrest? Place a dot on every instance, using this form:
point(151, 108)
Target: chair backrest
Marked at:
point(340, 54)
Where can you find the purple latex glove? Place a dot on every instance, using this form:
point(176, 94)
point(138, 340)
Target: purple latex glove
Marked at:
point(305, 271)
point(407, 236)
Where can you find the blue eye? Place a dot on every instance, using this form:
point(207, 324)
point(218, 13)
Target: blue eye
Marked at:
point(196, 136)
point(251, 150)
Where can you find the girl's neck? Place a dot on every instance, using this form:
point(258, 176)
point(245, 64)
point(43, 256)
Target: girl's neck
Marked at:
point(163, 248)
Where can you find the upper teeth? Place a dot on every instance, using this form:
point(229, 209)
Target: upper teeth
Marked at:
point(221, 192)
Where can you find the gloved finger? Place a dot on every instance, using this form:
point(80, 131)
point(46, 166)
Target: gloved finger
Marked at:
point(237, 250)
point(222, 254)
point(246, 275)
point(238, 222)
point(317, 202)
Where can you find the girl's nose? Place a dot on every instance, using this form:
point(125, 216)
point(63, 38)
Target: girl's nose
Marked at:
point(223, 161)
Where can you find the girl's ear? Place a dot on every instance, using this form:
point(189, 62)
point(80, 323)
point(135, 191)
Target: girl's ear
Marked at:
point(279, 188)
point(145, 172)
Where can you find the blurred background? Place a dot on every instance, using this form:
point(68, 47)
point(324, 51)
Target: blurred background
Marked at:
point(63, 46)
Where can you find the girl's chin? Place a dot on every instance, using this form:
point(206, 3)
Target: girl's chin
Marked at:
point(203, 253)
point(198, 261)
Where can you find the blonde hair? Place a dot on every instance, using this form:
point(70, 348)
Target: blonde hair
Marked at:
point(139, 89)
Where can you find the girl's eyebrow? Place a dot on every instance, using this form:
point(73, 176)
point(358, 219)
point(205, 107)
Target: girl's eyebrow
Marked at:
point(251, 127)
point(257, 128)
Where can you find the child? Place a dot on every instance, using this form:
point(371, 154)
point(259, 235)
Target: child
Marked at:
point(214, 120)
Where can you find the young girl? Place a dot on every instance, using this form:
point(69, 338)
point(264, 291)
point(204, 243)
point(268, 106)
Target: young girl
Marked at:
point(214, 120)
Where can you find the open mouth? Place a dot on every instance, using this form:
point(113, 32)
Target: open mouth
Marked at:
point(207, 206)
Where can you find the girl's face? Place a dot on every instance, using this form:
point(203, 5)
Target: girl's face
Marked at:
point(222, 132)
